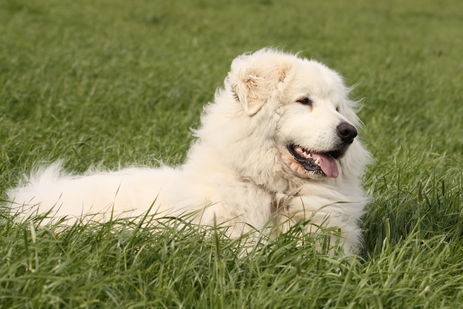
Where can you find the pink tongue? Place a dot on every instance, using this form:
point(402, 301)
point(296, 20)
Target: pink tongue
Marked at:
point(328, 165)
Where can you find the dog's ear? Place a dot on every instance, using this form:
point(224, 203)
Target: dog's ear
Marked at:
point(253, 81)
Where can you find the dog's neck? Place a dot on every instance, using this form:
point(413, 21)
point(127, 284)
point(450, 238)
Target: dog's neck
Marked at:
point(248, 150)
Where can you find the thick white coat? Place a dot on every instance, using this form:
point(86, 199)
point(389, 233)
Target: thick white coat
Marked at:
point(238, 171)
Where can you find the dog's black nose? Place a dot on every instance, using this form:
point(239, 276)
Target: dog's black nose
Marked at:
point(346, 132)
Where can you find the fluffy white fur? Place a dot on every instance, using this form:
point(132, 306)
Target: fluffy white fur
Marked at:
point(239, 171)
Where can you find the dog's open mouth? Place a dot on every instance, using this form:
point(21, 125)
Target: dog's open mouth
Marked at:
point(322, 163)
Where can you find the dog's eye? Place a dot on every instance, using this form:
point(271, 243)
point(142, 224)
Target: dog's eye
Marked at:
point(305, 101)
point(337, 109)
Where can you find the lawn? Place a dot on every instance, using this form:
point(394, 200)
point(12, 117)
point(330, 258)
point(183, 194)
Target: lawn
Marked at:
point(115, 83)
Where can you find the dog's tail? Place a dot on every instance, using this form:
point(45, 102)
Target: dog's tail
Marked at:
point(32, 188)
point(50, 190)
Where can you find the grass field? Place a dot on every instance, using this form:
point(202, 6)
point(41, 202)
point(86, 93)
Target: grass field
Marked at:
point(115, 83)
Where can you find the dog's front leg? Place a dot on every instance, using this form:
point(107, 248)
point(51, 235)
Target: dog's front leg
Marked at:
point(319, 214)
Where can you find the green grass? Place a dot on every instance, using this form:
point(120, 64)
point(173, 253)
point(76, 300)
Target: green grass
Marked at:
point(115, 83)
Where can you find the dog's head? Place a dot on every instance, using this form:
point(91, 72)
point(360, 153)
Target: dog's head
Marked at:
point(315, 129)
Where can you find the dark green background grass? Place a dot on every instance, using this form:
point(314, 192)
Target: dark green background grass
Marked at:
point(116, 83)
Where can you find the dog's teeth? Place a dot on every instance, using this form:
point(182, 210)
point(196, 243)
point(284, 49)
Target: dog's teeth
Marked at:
point(303, 152)
point(317, 161)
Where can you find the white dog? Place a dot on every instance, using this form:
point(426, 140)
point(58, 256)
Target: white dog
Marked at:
point(277, 145)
